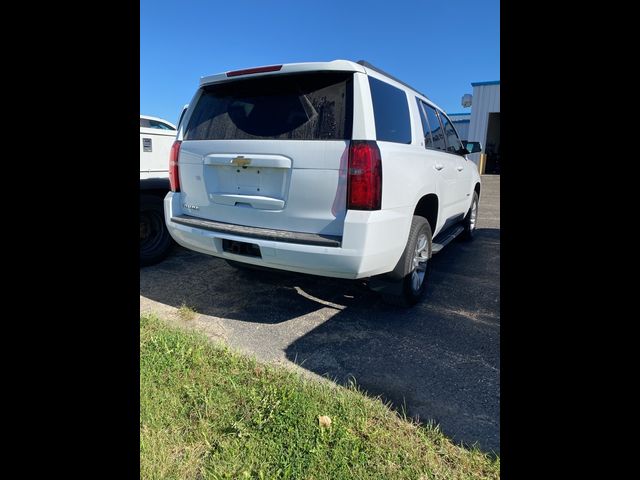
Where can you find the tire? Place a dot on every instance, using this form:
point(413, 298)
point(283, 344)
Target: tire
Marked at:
point(411, 282)
point(155, 241)
point(470, 221)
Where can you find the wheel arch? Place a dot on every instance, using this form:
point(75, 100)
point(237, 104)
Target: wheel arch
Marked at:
point(428, 207)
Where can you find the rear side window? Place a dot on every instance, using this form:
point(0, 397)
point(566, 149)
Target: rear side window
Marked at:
point(426, 131)
point(391, 112)
point(435, 129)
point(309, 106)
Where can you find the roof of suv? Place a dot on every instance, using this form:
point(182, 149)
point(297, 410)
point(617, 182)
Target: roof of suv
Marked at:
point(337, 65)
point(361, 66)
point(369, 66)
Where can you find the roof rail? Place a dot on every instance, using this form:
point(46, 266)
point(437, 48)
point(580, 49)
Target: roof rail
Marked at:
point(366, 64)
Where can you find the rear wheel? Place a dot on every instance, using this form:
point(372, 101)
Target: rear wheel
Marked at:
point(412, 270)
point(155, 241)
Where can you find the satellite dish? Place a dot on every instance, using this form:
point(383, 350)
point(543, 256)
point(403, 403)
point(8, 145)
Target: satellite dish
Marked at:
point(466, 100)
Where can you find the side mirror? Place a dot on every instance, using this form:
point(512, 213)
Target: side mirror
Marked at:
point(472, 147)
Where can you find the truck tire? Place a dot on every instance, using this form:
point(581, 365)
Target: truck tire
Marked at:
point(411, 273)
point(155, 241)
point(471, 220)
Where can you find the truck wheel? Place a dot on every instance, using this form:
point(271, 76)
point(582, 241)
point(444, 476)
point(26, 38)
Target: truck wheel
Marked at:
point(155, 241)
point(411, 274)
point(471, 220)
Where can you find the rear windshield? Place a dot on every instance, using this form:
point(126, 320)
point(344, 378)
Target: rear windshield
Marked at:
point(309, 106)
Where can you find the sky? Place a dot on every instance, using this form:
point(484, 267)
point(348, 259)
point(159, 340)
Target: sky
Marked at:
point(437, 47)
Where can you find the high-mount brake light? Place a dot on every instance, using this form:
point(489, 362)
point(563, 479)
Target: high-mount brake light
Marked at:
point(247, 71)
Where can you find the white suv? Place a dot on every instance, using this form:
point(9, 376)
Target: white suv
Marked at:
point(334, 169)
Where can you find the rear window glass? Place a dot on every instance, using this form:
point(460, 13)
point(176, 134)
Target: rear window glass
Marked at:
point(316, 106)
point(391, 112)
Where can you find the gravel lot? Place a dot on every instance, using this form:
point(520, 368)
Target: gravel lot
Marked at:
point(440, 361)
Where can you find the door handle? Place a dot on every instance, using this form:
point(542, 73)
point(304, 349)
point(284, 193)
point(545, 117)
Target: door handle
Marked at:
point(460, 168)
point(438, 166)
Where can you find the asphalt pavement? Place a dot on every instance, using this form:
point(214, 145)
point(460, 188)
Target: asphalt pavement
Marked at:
point(438, 361)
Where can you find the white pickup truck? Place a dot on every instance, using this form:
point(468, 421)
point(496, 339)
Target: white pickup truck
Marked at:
point(156, 137)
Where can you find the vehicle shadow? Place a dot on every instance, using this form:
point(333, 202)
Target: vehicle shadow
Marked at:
point(438, 361)
point(212, 287)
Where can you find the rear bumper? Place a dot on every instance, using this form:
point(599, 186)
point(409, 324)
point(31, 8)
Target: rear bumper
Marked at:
point(259, 233)
point(371, 244)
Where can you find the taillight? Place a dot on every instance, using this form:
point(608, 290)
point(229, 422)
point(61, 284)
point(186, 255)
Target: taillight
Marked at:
point(174, 179)
point(364, 184)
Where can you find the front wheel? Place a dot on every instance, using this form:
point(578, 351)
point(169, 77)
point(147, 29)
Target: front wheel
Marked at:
point(412, 270)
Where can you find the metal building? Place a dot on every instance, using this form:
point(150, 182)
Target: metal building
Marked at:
point(485, 124)
point(461, 122)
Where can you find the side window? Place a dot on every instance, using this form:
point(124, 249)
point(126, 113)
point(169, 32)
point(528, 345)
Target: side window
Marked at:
point(426, 131)
point(436, 129)
point(391, 112)
point(144, 123)
point(454, 145)
point(159, 125)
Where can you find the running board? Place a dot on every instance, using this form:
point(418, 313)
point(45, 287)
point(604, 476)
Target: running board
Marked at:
point(445, 237)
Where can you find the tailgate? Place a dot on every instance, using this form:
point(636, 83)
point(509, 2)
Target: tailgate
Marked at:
point(270, 152)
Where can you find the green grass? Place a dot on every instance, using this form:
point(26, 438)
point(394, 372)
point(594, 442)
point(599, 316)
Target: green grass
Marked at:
point(207, 412)
point(186, 313)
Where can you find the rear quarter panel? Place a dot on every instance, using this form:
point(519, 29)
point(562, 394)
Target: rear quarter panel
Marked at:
point(407, 169)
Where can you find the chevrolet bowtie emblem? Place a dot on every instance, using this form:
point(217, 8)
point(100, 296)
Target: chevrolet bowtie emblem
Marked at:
point(240, 161)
